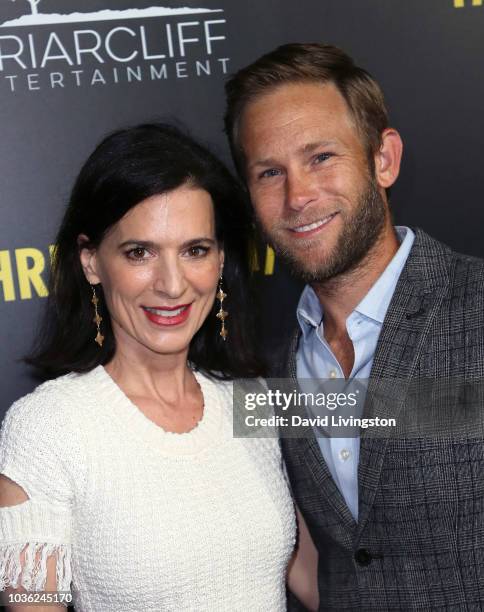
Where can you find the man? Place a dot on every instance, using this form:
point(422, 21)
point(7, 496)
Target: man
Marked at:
point(398, 521)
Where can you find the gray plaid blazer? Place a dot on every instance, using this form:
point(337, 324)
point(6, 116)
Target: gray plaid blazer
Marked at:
point(419, 540)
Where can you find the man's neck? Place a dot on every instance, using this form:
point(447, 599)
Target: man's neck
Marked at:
point(340, 295)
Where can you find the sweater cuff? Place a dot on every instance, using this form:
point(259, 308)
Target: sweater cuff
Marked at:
point(35, 521)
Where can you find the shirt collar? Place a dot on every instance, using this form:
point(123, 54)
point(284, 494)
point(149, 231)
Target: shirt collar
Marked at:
point(309, 310)
point(375, 303)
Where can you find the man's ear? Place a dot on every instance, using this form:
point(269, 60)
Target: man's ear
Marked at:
point(88, 260)
point(388, 158)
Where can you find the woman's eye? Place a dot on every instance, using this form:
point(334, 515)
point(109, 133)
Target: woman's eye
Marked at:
point(138, 253)
point(197, 251)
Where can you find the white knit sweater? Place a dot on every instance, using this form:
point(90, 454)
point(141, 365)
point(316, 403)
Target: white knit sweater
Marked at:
point(141, 519)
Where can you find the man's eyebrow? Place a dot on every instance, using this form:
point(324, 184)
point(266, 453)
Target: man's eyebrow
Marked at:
point(313, 146)
point(304, 150)
point(269, 161)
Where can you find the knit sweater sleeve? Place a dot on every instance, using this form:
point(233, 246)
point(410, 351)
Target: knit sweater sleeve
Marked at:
point(33, 454)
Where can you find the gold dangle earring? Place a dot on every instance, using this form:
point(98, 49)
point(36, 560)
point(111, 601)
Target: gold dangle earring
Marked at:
point(97, 318)
point(222, 314)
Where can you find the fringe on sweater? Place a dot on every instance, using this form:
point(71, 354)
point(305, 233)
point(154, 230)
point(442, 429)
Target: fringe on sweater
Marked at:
point(32, 574)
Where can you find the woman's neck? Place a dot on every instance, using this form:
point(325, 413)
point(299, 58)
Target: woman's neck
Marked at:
point(165, 378)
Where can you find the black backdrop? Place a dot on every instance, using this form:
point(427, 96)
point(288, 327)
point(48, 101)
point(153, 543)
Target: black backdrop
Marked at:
point(58, 97)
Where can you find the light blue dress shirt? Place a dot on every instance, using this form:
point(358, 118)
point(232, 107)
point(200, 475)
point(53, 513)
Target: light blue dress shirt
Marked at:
point(315, 358)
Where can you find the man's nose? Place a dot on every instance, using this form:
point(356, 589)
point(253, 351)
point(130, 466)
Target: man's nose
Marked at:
point(170, 278)
point(300, 190)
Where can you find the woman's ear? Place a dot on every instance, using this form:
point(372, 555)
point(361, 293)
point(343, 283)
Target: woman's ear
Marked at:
point(388, 158)
point(88, 260)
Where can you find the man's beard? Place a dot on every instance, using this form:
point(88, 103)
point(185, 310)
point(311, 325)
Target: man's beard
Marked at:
point(359, 234)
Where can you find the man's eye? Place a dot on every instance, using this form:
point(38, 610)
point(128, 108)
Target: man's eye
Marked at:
point(270, 172)
point(321, 157)
point(138, 253)
point(197, 251)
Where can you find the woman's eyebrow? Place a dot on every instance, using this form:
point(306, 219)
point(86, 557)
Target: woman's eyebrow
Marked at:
point(149, 244)
point(143, 243)
point(194, 241)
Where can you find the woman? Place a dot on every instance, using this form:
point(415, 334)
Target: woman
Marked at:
point(122, 475)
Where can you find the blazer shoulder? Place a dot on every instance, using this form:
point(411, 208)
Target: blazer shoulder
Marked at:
point(468, 274)
point(474, 264)
point(432, 263)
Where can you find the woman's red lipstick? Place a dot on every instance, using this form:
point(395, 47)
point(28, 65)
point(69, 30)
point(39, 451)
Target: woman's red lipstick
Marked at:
point(165, 321)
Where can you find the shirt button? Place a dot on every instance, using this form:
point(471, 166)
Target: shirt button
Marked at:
point(345, 454)
point(332, 374)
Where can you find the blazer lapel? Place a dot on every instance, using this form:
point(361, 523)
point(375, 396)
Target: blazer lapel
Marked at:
point(308, 448)
point(416, 301)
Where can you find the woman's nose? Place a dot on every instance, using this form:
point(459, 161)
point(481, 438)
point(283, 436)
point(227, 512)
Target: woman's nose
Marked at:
point(170, 279)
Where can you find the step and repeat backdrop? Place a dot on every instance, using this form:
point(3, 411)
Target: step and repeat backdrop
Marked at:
point(71, 71)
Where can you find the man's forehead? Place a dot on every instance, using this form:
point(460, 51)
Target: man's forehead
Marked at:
point(264, 142)
point(295, 96)
point(295, 106)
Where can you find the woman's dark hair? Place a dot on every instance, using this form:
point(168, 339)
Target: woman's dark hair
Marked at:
point(127, 167)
